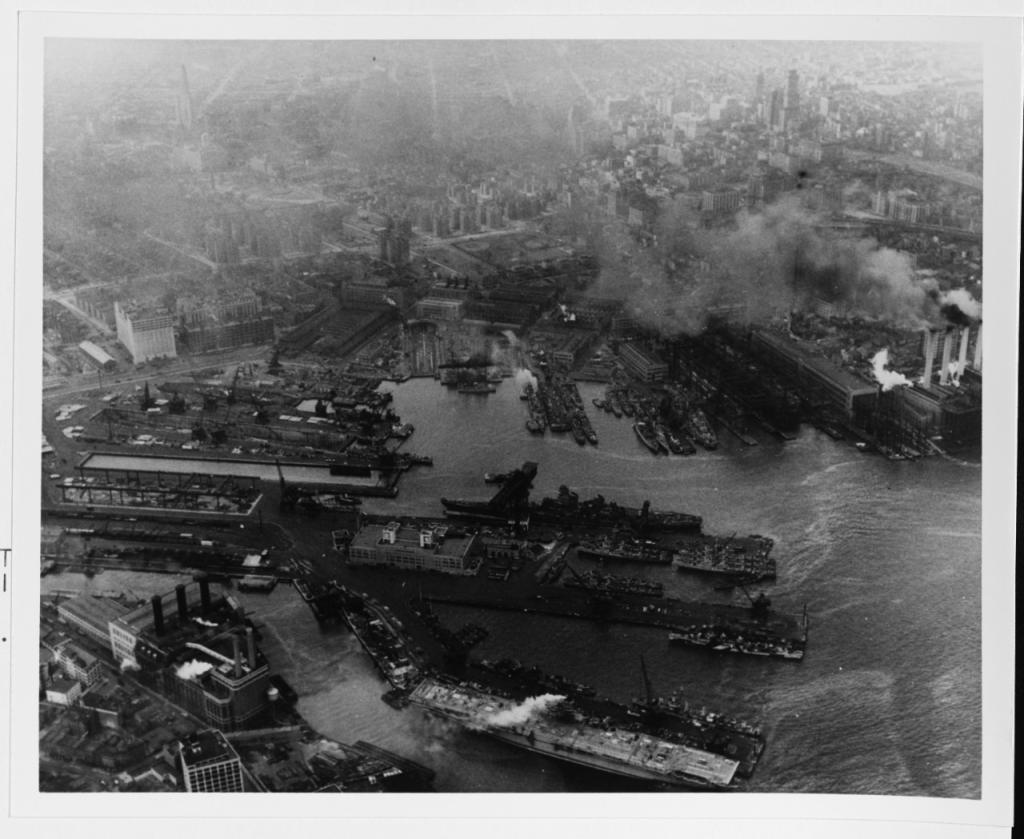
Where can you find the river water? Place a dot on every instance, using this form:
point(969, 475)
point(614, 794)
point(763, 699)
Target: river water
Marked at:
point(887, 557)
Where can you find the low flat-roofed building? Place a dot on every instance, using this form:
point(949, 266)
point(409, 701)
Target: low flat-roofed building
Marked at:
point(92, 615)
point(97, 355)
point(64, 692)
point(440, 308)
point(427, 548)
point(209, 763)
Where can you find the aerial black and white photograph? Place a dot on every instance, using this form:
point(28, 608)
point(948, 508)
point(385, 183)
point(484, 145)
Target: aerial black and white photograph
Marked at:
point(511, 416)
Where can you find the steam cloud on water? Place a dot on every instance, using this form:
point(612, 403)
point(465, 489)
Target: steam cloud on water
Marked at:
point(523, 376)
point(782, 259)
point(192, 669)
point(523, 711)
point(888, 379)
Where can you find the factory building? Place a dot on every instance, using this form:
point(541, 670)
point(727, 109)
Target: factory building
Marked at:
point(188, 645)
point(209, 763)
point(439, 308)
point(719, 201)
point(225, 322)
point(145, 334)
point(224, 680)
point(97, 356)
point(645, 364)
point(413, 548)
point(91, 616)
point(849, 394)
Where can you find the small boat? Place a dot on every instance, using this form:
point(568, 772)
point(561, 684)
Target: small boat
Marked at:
point(647, 436)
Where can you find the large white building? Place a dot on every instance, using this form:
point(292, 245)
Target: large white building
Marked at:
point(146, 335)
point(210, 764)
point(413, 548)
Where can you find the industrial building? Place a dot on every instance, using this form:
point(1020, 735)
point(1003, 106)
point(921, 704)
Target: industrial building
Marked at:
point(643, 363)
point(819, 377)
point(221, 323)
point(190, 646)
point(145, 334)
point(97, 356)
point(209, 763)
point(413, 548)
point(437, 308)
point(92, 616)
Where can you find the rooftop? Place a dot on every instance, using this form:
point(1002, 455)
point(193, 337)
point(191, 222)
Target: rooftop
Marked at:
point(98, 611)
point(206, 747)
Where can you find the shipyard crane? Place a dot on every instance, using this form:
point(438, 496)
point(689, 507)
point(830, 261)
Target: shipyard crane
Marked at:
point(759, 605)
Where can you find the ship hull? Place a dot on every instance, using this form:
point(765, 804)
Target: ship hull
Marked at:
point(593, 762)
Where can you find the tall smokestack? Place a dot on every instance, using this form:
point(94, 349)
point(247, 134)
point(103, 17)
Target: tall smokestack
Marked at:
point(204, 594)
point(977, 348)
point(929, 357)
point(158, 614)
point(947, 355)
point(965, 335)
point(251, 643)
point(236, 643)
point(179, 591)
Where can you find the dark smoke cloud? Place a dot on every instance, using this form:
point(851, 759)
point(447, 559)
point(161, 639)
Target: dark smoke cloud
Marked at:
point(778, 260)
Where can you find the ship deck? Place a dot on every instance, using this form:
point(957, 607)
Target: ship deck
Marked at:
point(611, 749)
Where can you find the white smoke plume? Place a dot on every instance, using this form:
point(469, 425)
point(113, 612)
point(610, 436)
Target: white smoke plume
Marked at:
point(888, 379)
point(524, 377)
point(955, 372)
point(127, 664)
point(522, 712)
point(192, 669)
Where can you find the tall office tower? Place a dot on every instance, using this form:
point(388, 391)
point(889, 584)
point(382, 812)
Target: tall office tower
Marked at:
point(210, 764)
point(776, 114)
point(183, 102)
point(792, 101)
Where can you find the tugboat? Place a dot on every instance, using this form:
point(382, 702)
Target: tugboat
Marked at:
point(701, 429)
point(679, 444)
point(647, 436)
point(579, 435)
point(612, 404)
